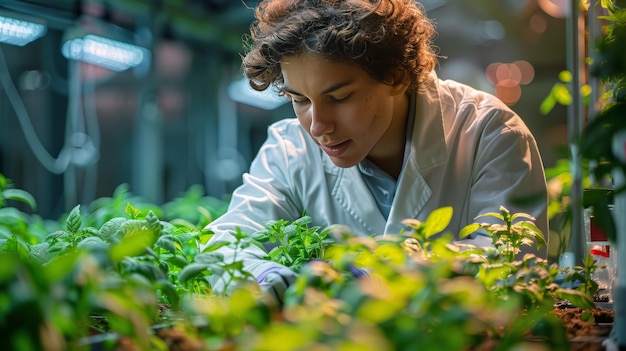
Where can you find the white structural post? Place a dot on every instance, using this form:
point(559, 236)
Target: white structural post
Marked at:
point(575, 63)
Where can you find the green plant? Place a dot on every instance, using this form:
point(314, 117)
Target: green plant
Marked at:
point(210, 262)
point(583, 276)
point(104, 209)
point(609, 66)
point(140, 279)
point(69, 280)
point(532, 276)
point(422, 289)
point(422, 232)
point(560, 93)
point(515, 231)
point(53, 295)
point(9, 193)
point(297, 243)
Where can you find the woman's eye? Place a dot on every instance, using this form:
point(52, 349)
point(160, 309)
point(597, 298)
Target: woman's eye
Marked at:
point(341, 98)
point(296, 100)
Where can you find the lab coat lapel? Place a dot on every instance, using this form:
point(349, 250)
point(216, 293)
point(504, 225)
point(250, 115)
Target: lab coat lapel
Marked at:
point(412, 194)
point(356, 199)
point(428, 150)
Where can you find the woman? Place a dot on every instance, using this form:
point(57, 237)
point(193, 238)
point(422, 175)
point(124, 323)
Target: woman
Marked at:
point(378, 137)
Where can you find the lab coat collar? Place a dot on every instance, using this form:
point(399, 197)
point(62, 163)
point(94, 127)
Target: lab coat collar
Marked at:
point(429, 144)
point(351, 192)
point(428, 150)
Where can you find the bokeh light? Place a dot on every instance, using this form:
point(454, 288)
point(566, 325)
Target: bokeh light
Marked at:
point(538, 23)
point(508, 78)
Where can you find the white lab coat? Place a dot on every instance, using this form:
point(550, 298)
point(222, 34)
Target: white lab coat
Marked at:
point(469, 151)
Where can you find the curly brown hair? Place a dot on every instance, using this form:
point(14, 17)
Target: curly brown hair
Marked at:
point(386, 38)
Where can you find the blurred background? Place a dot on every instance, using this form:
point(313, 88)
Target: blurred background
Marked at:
point(149, 93)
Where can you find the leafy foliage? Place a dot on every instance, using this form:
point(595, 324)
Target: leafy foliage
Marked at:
point(509, 236)
point(296, 242)
point(122, 273)
point(609, 66)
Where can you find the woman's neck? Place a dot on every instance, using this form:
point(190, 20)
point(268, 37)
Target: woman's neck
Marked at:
point(389, 154)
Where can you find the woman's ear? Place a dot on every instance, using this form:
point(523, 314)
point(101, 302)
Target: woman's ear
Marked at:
point(400, 83)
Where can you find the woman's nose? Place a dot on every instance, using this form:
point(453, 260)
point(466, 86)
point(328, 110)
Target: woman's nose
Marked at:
point(321, 122)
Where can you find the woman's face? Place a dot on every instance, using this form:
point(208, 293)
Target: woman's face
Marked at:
point(348, 113)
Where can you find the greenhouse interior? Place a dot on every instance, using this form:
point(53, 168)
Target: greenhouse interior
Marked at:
point(159, 187)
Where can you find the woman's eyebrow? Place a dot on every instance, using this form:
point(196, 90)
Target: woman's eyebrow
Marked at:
point(328, 90)
point(290, 91)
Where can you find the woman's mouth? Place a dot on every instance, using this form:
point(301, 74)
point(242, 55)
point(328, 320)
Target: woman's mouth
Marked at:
point(335, 150)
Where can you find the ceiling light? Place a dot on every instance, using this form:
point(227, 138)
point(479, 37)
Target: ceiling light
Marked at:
point(108, 53)
point(19, 32)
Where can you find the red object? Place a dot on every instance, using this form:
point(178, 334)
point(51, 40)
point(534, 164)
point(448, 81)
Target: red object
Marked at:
point(600, 252)
point(597, 234)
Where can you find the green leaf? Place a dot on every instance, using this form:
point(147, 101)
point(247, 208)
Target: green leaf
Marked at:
point(58, 235)
point(468, 229)
point(305, 220)
point(74, 221)
point(153, 223)
point(92, 242)
point(15, 246)
point(190, 271)
point(522, 215)
point(491, 214)
point(167, 243)
point(61, 266)
point(494, 273)
point(262, 236)
point(538, 235)
point(110, 228)
point(20, 195)
point(547, 105)
point(178, 261)
point(39, 253)
point(134, 243)
point(565, 76)
point(216, 246)
point(562, 95)
point(131, 211)
point(169, 290)
point(437, 221)
point(598, 134)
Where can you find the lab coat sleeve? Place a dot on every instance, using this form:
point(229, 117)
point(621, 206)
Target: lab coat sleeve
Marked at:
point(509, 172)
point(267, 193)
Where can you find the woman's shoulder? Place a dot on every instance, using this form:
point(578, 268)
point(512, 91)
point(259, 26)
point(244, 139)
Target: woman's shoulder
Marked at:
point(463, 93)
point(288, 128)
point(289, 135)
point(470, 108)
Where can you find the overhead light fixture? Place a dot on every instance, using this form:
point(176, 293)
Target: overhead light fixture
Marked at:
point(19, 32)
point(269, 99)
point(105, 52)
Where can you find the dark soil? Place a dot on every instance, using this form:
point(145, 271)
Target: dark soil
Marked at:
point(583, 332)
